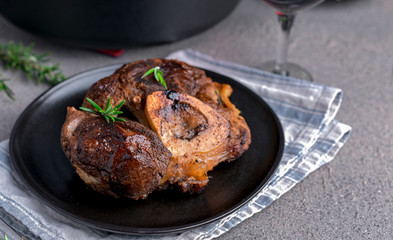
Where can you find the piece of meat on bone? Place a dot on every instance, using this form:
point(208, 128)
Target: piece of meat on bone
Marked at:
point(187, 171)
point(195, 133)
point(121, 159)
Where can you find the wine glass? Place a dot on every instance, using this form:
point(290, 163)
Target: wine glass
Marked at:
point(286, 11)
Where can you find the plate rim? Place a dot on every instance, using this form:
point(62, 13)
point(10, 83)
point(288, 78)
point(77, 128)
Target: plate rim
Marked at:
point(139, 230)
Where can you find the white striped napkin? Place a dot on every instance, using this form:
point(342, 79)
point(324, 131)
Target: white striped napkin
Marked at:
point(312, 138)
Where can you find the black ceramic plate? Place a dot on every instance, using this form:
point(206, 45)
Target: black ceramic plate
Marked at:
point(38, 159)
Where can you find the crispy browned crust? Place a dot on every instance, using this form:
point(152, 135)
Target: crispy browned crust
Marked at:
point(121, 159)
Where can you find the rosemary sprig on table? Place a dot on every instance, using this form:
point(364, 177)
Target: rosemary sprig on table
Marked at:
point(157, 75)
point(6, 89)
point(18, 57)
point(109, 113)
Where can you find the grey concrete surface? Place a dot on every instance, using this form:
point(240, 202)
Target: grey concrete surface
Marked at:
point(345, 44)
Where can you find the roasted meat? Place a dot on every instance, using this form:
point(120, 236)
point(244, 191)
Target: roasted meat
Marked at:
point(127, 83)
point(192, 131)
point(194, 121)
point(121, 159)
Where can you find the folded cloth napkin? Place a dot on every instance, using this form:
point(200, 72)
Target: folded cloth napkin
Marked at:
point(312, 138)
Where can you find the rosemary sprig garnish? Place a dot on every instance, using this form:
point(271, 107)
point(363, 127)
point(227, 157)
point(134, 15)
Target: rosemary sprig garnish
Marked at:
point(157, 75)
point(109, 113)
point(6, 89)
point(18, 57)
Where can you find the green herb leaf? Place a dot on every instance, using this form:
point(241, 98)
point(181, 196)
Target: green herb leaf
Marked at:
point(6, 89)
point(119, 105)
point(88, 110)
point(119, 119)
point(107, 118)
point(95, 105)
point(149, 72)
point(116, 113)
point(109, 114)
point(157, 75)
point(108, 105)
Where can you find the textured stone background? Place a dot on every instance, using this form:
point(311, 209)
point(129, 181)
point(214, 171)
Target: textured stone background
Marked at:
point(346, 44)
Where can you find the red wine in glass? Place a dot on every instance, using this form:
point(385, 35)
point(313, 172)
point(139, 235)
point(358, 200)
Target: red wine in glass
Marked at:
point(286, 10)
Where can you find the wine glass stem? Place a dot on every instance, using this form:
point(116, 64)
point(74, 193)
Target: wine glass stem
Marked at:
point(286, 22)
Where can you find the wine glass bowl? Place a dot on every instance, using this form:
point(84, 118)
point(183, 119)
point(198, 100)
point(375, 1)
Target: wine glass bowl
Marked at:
point(290, 7)
point(286, 12)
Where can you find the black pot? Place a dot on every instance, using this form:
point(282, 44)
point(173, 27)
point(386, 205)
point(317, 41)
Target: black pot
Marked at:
point(118, 23)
